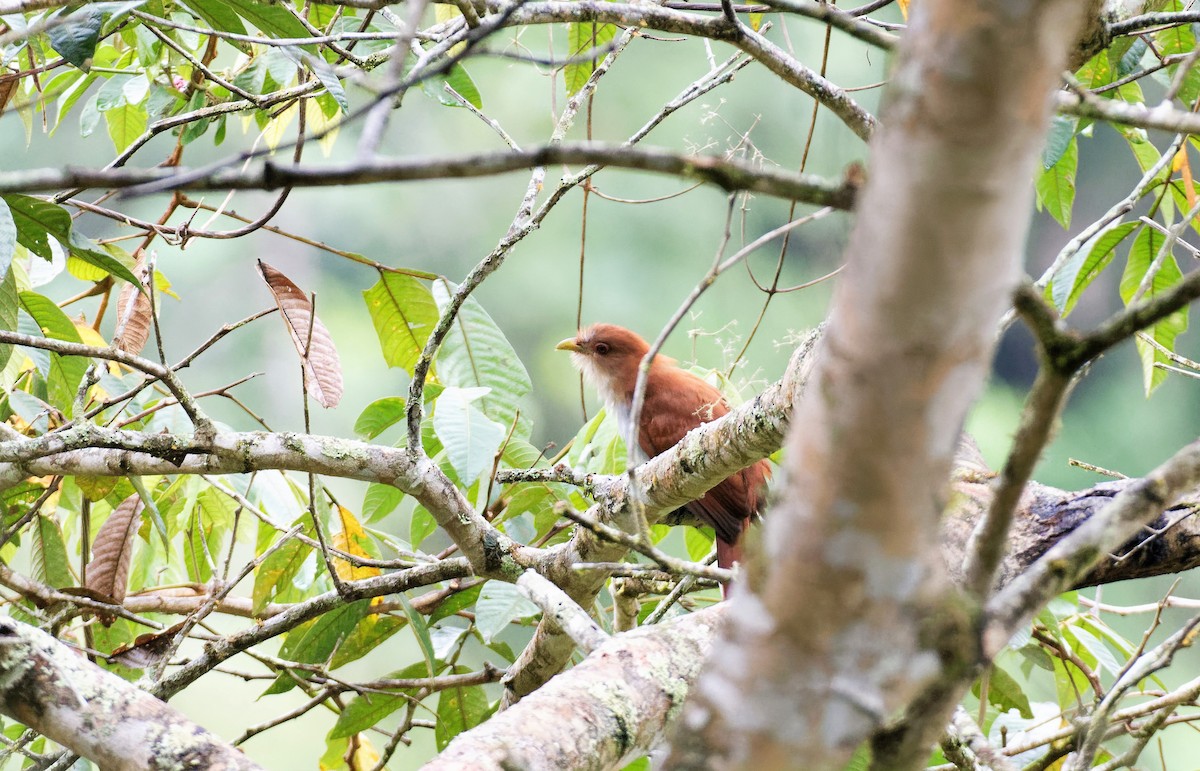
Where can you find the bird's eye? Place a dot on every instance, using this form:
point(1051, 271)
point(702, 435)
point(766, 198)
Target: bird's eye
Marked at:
point(602, 348)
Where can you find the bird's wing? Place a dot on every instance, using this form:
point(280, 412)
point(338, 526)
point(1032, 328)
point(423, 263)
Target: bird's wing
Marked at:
point(676, 402)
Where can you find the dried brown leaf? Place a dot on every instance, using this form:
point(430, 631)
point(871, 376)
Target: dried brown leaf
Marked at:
point(146, 649)
point(312, 339)
point(8, 86)
point(134, 313)
point(108, 571)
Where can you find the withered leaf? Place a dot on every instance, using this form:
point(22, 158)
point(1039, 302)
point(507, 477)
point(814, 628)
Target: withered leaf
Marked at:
point(108, 571)
point(134, 312)
point(311, 338)
point(146, 649)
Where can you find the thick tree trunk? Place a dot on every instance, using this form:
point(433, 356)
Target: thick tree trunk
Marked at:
point(931, 264)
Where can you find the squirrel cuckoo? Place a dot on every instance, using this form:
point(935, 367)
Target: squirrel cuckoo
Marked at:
point(676, 402)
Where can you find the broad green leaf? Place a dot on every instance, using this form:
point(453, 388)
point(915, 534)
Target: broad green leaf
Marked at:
point(459, 709)
point(324, 72)
point(8, 236)
point(699, 543)
point(1094, 647)
point(404, 314)
point(51, 564)
point(370, 633)
point(476, 353)
point(581, 38)
point(470, 438)
point(76, 39)
point(36, 221)
point(316, 641)
point(1062, 131)
point(379, 416)
point(455, 602)
point(1145, 248)
point(66, 372)
point(421, 526)
point(209, 519)
point(274, 20)
point(500, 604)
point(458, 79)
point(379, 501)
point(1087, 263)
point(219, 15)
point(114, 261)
point(1056, 185)
point(421, 631)
point(125, 124)
point(366, 710)
point(1004, 692)
point(9, 305)
point(275, 574)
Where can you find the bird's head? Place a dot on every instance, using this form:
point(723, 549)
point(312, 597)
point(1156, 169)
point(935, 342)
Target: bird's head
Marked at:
point(608, 356)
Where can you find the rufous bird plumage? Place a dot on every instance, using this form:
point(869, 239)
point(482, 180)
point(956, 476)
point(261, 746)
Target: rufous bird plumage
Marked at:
point(676, 401)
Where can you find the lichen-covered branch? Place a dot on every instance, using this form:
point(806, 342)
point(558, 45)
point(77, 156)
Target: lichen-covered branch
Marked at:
point(56, 691)
point(617, 704)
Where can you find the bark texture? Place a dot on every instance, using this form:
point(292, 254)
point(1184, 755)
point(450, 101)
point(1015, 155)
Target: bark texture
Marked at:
point(931, 264)
point(617, 704)
point(59, 693)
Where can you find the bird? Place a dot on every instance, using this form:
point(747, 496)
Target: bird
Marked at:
point(675, 402)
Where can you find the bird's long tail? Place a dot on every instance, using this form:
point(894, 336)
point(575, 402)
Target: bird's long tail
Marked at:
point(727, 554)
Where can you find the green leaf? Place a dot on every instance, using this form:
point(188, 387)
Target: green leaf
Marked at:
point(1056, 185)
point(1145, 248)
point(1004, 692)
point(370, 633)
point(1088, 262)
point(76, 39)
point(476, 353)
point(1062, 131)
point(421, 526)
point(459, 709)
point(276, 573)
point(404, 314)
point(325, 73)
point(36, 220)
point(500, 604)
point(581, 38)
point(218, 14)
point(51, 564)
point(379, 501)
point(316, 641)
point(699, 542)
point(9, 305)
point(470, 438)
point(368, 709)
point(421, 632)
point(379, 416)
point(1095, 647)
point(125, 124)
point(458, 79)
point(66, 372)
point(269, 18)
point(455, 602)
point(8, 236)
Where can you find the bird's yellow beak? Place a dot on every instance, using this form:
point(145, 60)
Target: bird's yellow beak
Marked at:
point(568, 345)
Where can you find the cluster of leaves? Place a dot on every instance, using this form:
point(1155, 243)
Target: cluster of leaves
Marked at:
point(1150, 264)
point(143, 69)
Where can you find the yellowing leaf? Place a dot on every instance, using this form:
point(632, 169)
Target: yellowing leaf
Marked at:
point(352, 540)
